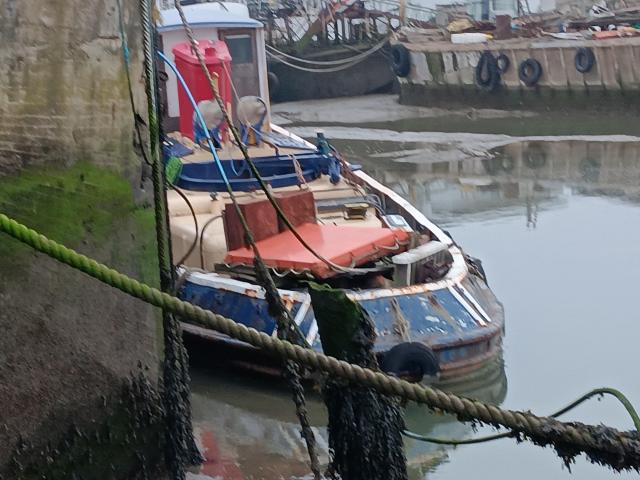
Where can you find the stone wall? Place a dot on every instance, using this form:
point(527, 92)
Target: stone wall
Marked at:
point(62, 87)
point(70, 345)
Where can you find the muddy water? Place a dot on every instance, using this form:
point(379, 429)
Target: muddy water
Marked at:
point(556, 221)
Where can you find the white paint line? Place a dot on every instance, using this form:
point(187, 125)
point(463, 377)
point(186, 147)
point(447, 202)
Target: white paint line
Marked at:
point(467, 307)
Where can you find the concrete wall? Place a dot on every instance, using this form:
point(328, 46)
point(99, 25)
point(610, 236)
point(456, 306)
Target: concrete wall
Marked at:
point(70, 345)
point(440, 67)
point(62, 89)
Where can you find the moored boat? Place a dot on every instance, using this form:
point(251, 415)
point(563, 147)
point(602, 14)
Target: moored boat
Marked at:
point(430, 302)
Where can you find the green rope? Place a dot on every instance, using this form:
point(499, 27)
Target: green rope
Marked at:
point(608, 446)
point(180, 449)
point(159, 191)
point(488, 438)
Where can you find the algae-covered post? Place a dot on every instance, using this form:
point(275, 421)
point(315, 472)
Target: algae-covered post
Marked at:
point(365, 427)
point(79, 362)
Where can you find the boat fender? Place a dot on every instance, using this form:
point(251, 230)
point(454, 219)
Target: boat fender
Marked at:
point(535, 156)
point(487, 72)
point(400, 60)
point(274, 83)
point(503, 62)
point(584, 60)
point(411, 360)
point(530, 72)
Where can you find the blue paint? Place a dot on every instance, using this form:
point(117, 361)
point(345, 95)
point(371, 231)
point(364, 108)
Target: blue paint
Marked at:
point(277, 171)
point(436, 318)
point(245, 309)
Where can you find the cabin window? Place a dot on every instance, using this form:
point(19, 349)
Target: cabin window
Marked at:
point(240, 48)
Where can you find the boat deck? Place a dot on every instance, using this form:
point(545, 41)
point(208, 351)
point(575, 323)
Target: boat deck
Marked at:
point(230, 151)
point(209, 210)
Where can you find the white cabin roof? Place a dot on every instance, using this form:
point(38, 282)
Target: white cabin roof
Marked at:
point(217, 15)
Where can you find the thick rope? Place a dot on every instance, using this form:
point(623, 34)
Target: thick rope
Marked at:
point(343, 66)
point(159, 192)
point(340, 61)
point(617, 394)
point(180, 449)
point(620, 450)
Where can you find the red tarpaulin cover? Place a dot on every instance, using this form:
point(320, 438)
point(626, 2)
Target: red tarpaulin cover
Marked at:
point(342, 245)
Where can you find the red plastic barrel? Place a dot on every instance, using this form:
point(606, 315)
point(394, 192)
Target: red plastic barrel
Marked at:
point(216, 57)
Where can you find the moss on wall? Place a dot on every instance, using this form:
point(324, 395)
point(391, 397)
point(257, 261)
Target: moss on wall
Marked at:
point(537, 99)
point(68, 339)
point(82, 207)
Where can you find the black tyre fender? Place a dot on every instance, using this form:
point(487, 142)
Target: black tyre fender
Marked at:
point(487, 72)
point(274, 83)
point(590, 169)
point(507, 164)
point(410, 359)
point(503, 62)
point(400, 60)
point(584, 59)
point(535, 156)
point(530, 72)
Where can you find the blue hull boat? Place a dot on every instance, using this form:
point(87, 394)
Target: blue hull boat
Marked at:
point(431, 305)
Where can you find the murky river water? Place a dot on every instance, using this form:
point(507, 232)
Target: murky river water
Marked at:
point(557, 225)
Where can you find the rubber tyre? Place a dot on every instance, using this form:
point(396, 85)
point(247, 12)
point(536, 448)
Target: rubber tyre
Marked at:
point(503, 63)
point(413, 358)
point(530, 72)
point(274, 84)
point(590, 169)
point(487, 72)
point(584, 59)
point(400, 60)
point(535, 156)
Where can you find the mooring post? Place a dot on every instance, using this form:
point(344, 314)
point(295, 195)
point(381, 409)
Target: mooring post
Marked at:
point(365, 427)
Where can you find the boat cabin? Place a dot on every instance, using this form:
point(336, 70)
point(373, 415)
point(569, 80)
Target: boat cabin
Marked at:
point(345, 225)
point(228, 26)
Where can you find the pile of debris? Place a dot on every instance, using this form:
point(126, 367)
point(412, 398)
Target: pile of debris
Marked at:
point(599, 23)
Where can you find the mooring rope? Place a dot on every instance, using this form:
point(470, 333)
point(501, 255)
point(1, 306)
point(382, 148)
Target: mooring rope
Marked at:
point(603, 445)
point(617, 394)
point(340, 61)
point(315, 70)
point(159, 192)
point(341, 66)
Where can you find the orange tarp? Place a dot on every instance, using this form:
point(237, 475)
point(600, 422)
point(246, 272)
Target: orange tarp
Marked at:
point(345, 246)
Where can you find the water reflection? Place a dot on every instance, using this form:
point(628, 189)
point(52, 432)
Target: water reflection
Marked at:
point(522, 178)
point(247, 429)
point(567, 330)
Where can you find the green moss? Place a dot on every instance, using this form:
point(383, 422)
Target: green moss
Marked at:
point(537, 99)
point(85, 207)
point(145, 220)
